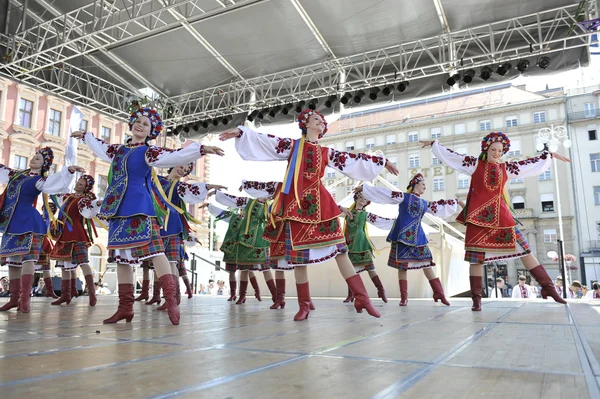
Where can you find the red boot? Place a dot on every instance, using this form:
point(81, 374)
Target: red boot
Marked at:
point(125, 309)
point(15, 291)
point(49, 288)
point(311, 306)
point(548, 289)
point(243, 289)
point(74, 292)
point(380, 289)
point(65, 292)
point(25, 297)
point(438, 291)
point(272, 290)
point(89, 283)
point(303, 302)
point(169, 287)
point(280, 301)
point(155, 294)
point(476, 292)
point(256, 288)
point(361, 298)
point(145, 294)
point(232, 286)
point(188, 287)
point(403, 292)
point(165, 306)
point(350, 297)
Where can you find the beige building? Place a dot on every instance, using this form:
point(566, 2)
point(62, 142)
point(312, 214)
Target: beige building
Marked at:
point(460, 120)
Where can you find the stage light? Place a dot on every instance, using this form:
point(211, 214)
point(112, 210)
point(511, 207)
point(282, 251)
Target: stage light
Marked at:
point(451, 81)
point(522, 65)
point(286, 109)
point(260, 115)
point(346, 98)
point(486, 73)
point(503, 68)
point(205, 124)
point(468, 76)
point(178, 129)
point(195, 127)
point(386, 91)
point(215, 122)
point(312, 104)
point(186, 128)
point(358, 96)
point(330, 101)
point(373, 93)
point(403, 85)
point(252, 115)
point(226, 120)
point(300, 106)
point(543, 62)
point(274, 111)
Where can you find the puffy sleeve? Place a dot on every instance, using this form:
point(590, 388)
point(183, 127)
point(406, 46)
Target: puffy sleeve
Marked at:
point(88, 207)
point(356, 166)
point(382, 195)
point(219, 213)
point(231, 201)
point(254, 146)
point(443, 208)
point(380, 222)
point(167, 158)
point(530, 166)
point(192, 193)
point(257, 189)
point(100, 148)
point(462, 163)
point(5, 174)
point(56, 183)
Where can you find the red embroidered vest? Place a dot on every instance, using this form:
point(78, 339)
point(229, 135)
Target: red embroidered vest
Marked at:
point(78, 233)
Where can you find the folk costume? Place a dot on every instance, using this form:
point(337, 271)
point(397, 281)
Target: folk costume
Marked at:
point(491, 228)
point(409, 250)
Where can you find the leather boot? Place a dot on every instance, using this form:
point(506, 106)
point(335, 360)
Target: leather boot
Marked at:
point(350, 297)
point(25, 297)
point(65, 292)
point(438, 291)
point(177, 288)
point(145, 294)
point(15, 291)
point(380, 289)
point(125, 309)
point(303, 302)
point(361, 298)
point(280, 301)
point(155, 294)
point(311, 306)
point(188, 287)
point(272, 290)
point(476, 291)
point(403, 292)
point(49, 288)
point(548, 289)
point(243, 289)
point(89, 283)
point(256, 288)
point(169, 287)
point(232, 286)
point(165, 306)
point(74, 292)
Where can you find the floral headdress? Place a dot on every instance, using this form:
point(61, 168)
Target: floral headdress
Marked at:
point(48, 156)
point(415, 180)
point(495, 137)
point(89, 183)
point(356, 199)
point(154, 117)
point(303, 120)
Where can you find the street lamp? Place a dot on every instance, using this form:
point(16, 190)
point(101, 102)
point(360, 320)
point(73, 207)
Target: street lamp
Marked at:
point(552, 138)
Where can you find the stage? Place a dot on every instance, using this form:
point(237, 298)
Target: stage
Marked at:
point(511, 350)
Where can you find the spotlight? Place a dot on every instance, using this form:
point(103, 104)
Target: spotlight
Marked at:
point(402, 86)
point(226, 120)
point(373, 93)
point(503, 68)
point(195, 127)
point(252, 115)
point(543, 62)
point(522, 65)
point(260, 114)
point(186, 128)
point(178, 129)
point(451, 81)
point(300, 106)
point(468, 76)
point(330, 101)
point(346, 98)
point(205, 124)
point(215, 122)
point(286, 109)
point(274, 111)
point(486, 73)
point(358, 96)
point(312, 104)
point(386, 90)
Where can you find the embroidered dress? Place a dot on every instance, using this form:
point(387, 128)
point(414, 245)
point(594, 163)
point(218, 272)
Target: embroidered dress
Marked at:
point(492, 233)
point(229, 245)
point(409, 243)
point(304, 226)
point(21, 225)
point(133, 231)
point(360, 247)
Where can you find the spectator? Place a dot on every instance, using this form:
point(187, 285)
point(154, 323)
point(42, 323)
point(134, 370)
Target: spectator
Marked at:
point(40, 288)
point(509, 289)
point(497, 292)
point(4, 287)
point(575, 290)
point(534, 288)
point(212, 288)
point(594, 293)
point(558, 284)
point(221, 289)
point(202, 289)
point(522, 290)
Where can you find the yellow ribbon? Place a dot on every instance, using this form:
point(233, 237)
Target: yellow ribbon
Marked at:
point(100, 223)
point(51, 215)
point(171, 188)
point(162, 192)
point(297, 169)
point(249, 216)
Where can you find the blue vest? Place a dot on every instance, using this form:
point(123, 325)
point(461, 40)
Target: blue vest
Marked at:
point(18, 215)
point(174, 223)
point(407, 228)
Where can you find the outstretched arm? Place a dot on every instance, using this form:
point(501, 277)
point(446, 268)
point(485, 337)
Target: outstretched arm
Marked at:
point(166, 158)
point(380, 222)
point(221, 214)
point(257, 189)
point(462, 163)
point(99, 147)
point(231, 201)
point(444, 208)
point(58, 183)
point(382, 195)
point(254, 146)
point(358, 166)
point(5, 174)
point(532, 166)
point(88, 208)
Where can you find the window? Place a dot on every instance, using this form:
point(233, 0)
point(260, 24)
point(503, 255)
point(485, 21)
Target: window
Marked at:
point(413, 161)
point(413, 136)
point(549, 235)
point(518, 202)
point(596, 195)
point(20, 162)
point(516, 181)
point(463, 180)
point(83, 126)
point(438, 184)
point(547, 175)
point(511, 121)
point(370, 143)
point(394, 161)
point(25, 112)
point(539, 117)
point(390, 139)
point(330, 175)
point(590, 110)
point(435, 161)
point(101, 185)
point(547, 202)
point(54, 122)
point(349, 145)
point(460, 128)
point(436, 132)
point(105, 134)
point(592, 135)
point(595, 160)
point(515, 147)
point(485, 125)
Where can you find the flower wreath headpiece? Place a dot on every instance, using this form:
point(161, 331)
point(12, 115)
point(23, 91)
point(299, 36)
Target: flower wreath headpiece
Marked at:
point(154, 117)
point(48, 156)
point(494, 137)
point(415, 180)
point(89, 182)
point(303, 120)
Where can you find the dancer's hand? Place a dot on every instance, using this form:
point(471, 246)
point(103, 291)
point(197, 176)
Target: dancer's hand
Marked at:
point(391, 168)
point(77, 135)
point(210, 193)
point(230, 134)
point(99, 203)
point(209, 149)
point(262, 200)
point(345, 211)
point(560, 157)
point(75, 168)
point(461, 203)
point(215, 187)
point(426, 143)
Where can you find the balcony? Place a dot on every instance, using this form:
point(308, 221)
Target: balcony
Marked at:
point(524, 213)
point(591, 246)
point(583, 115)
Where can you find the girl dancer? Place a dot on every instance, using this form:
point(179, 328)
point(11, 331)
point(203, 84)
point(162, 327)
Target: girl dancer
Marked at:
point(134, 232)
point(304, 227)
point(492, 233)
point(409, 249)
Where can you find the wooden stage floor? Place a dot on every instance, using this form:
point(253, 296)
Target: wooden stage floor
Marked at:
point(511, 349)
